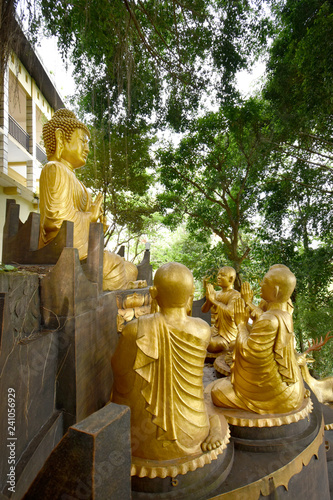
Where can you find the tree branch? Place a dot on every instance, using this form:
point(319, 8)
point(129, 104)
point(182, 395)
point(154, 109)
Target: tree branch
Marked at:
point(150, 49)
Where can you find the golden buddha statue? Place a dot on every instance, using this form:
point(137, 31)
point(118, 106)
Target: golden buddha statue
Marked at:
point(158, 373)
point(265, 376)
point(221, 303)
point(247, 295)
point(64, 197)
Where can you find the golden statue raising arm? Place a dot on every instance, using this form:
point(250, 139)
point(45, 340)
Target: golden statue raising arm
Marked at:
point(224, 330)
point(265, 377)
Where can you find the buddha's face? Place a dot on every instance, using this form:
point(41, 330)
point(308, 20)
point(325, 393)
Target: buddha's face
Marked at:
point(267, 289)
point(76, 150)
point(224, 278)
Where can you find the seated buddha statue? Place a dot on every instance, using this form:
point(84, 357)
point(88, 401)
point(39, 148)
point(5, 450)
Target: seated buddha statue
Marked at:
point(221, 303)
point(265, 376)
point(64, 198)
point(158, 372)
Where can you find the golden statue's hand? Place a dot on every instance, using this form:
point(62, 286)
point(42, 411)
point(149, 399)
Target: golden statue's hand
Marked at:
point(96, 211)
point(241, 313)
point(210, 292)
point(246, 292)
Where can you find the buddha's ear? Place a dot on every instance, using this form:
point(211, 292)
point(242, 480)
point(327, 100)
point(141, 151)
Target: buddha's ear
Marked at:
point(276, 291)
point(153, 292)
point(60, 141)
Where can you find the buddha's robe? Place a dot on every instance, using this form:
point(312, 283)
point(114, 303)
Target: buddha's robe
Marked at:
point(158, 373)
point(225, 324)
point(224, 330)
point(64, 197)
point(265, 377)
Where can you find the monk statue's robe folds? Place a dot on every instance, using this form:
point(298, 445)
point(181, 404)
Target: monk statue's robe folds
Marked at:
point(225, 324)
point(158, 373)
point(64, 197)
point(265, 377)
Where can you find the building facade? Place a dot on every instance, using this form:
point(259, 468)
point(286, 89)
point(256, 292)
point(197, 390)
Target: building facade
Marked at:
point(28, 98)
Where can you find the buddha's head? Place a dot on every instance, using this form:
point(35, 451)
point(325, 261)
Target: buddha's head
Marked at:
point(173, 285)
point(65, 137)
point(226, 277)
point(278, 284)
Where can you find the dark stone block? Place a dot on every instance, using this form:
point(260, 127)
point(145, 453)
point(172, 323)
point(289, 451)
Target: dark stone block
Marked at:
point(28, 369)
point(20, 241)
point(37, 452)
point(92, 461)
point(145, 269)
point(93, 266)
point(197, 313)
point(65, 291)
point(23, 300)
point(86, 325)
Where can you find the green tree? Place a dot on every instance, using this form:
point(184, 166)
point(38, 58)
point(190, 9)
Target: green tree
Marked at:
point(298, 216)
point(214, 177)
point(118, 166)
point(300, 67)
point(155, 58)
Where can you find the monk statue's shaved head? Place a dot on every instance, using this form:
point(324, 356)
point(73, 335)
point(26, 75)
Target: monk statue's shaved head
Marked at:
point(173, 285)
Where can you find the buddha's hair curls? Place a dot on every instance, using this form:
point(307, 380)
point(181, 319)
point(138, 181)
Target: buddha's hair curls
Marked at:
point(67, 122)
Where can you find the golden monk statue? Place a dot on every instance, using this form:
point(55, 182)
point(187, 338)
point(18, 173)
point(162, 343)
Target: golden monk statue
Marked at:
point(247, 295)
point(158, 373)
point(265, 376)
point(224, 330)
point(64, 197)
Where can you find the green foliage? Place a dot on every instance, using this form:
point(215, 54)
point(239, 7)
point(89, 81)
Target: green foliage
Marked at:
point(214, 176)
point(9, 32)
point(117, 166)
point(7, 268)
point(155, 58)
point(300, 69)
point(203, 258)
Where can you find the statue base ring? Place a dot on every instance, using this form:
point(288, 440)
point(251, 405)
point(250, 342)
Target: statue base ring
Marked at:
point(210, 356)
point(270, 432)
point(183, 478)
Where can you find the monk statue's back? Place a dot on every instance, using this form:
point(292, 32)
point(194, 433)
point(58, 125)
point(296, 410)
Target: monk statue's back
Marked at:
point(158, 371)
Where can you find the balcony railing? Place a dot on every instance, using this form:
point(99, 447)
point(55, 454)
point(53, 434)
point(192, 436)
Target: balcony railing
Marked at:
point(40, 155)
point(18, 133)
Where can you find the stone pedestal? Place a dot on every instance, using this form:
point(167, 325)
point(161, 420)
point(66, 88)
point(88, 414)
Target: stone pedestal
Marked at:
point(194, 485)
point(274, 458)
point(92, 460)
point(192, 477)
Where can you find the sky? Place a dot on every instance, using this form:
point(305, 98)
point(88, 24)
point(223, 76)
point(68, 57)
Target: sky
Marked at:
point(48, 52)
